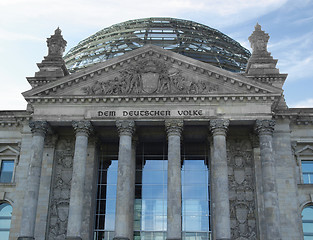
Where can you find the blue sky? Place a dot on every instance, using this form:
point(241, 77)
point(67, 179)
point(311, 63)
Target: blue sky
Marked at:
point(25, 25)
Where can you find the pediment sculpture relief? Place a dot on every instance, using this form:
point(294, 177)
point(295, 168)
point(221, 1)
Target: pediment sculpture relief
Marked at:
point(150, 77)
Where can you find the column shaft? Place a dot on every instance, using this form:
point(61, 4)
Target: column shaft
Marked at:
point(265, 129)
point(219, 178)
point(82, 129)
point(125, 191)
point(174, 204)
point(39, 129)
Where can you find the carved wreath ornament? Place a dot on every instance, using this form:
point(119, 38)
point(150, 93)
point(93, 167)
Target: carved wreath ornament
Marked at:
point(147, 77)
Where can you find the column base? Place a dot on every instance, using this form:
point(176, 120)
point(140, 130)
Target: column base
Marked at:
point(120, 238)
point(73, 238)
point(25, 238)
point(223, 239)
point(173, 239)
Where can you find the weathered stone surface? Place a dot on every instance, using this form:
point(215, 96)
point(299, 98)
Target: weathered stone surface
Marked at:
point(219, 171)
point(265, 129)
point(174, 207)
point(39, 130)
point(125, 191)
point(75, 217)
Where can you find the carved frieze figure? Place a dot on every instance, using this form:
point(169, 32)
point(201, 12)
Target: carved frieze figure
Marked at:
point(59, 201)
point(242, 189)
point(147, 77)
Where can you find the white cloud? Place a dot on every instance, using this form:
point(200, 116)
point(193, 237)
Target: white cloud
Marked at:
point(16, 36)
point(308, 103)
point(104, 13)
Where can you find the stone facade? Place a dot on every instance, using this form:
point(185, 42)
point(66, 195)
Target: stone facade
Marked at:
point(256, 143)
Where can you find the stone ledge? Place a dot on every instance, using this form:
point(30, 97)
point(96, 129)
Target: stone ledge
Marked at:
point(73, 238)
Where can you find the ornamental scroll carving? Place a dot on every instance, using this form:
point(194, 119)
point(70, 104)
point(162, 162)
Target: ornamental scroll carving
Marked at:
point(241, 189)
point(150, 76)
point(60, 198)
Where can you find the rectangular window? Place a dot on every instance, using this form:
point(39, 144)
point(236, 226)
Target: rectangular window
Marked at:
point(307, 172)
point(6, 173)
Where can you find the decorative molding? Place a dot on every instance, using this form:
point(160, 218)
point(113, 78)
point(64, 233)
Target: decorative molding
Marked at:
point(215, 98)
point(125, 127)
point(174, 127)
point(265, 126)
point(84, 127)
point(219, 126)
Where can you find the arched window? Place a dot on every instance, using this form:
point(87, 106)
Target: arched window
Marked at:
point(5, 220)
point(307, 223)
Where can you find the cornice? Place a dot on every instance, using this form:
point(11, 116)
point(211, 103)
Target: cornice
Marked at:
point(297, 116)
point(14, 118)
point(218, 98)
point(167, 56)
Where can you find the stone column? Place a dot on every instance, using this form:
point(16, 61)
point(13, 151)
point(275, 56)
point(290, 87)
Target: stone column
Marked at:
point(82, 131)
point(125, 191)
point(219, 178)
point(265, 129)
point(39, 130)
point(174, 205)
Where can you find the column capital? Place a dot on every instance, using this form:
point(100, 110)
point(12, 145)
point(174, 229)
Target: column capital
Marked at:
point(219, 126)
point(265, 126)
point(125, 127)
point(39, 127)
point(84, 127)
point(174, 127)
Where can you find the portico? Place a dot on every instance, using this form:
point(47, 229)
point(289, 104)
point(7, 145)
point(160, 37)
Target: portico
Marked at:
point(154, 144)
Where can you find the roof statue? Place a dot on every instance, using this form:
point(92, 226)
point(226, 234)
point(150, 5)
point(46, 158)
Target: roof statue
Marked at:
point(56, 44)
point(53, 65)
point(259, 40)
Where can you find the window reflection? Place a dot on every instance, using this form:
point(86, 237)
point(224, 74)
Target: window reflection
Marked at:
point(307, 222)
point(151, 195)
point(5, 220)
point(6, 171)
point(195, 196)
point(106, 198)
point(307, 171)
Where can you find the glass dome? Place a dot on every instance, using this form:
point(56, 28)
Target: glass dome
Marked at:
point(185, 37)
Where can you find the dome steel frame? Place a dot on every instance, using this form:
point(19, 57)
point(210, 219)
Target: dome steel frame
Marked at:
point(185, 37)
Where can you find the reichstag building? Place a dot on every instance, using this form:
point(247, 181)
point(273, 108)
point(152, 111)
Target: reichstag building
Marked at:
point(157, 129)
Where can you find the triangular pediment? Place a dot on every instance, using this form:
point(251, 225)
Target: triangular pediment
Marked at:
point(305, 151)
point(152, 71)
point(8, 151)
